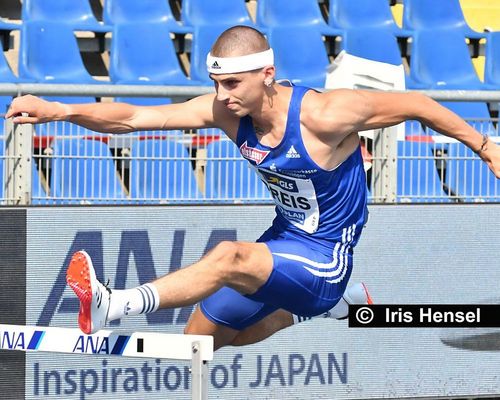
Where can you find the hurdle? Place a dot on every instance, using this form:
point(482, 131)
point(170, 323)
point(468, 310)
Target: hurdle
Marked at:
point(197, 348)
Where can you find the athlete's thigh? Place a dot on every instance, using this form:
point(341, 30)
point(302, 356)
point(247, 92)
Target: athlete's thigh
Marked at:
point(231, 309)
point(304, 280)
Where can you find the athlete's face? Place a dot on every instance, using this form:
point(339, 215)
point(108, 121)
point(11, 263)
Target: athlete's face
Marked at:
point(241, 93)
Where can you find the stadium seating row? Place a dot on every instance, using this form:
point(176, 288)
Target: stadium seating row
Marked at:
point(439, 58)
point(341, 14)
point(143, 52)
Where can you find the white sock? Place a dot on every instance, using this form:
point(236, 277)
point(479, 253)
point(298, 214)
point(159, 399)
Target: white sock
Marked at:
point(355, 294)
point(139, 300)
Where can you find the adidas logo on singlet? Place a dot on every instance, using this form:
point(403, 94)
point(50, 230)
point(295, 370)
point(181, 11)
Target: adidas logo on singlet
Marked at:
point(292, 153)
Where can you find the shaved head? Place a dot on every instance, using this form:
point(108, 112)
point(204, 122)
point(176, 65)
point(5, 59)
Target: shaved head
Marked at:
point(239, 41)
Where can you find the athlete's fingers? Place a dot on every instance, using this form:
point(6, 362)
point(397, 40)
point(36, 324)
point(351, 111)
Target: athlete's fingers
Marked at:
point(29, 104)
point(24, 119)
point(16, 108)
point(10, 112)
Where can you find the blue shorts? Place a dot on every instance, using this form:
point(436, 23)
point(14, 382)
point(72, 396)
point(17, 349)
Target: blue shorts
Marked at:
point(304, 281)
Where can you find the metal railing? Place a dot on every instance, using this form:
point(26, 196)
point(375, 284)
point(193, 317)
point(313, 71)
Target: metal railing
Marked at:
point(60, 163)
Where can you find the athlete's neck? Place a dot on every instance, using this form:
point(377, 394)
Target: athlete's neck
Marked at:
point(271, 118)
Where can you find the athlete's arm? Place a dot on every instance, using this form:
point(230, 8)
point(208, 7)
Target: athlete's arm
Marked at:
point(202, 111)
point(348, 111)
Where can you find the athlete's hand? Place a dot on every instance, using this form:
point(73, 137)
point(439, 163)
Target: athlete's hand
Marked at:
point(491, 156)
point(37, 110)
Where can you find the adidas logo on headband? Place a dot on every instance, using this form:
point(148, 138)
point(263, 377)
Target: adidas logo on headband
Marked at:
point(232, 65)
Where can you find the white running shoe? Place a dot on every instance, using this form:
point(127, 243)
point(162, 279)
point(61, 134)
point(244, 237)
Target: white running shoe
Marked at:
point(93, 295)
point(354, 294)
point(358, 294)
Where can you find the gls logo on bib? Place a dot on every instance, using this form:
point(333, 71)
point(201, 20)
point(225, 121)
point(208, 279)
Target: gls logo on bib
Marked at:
point(295, 198)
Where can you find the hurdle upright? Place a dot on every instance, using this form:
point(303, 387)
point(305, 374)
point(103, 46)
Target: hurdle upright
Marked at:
point(197, 348)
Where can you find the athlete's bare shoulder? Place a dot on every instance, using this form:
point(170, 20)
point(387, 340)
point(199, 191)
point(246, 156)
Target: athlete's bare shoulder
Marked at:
point(336, 112)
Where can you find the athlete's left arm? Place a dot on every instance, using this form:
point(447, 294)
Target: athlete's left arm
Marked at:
point(358, 110)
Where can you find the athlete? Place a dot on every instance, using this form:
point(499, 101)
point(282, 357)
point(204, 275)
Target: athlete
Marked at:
point(305, 146)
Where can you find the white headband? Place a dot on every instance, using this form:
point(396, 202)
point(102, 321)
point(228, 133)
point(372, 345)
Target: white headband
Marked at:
point(232, 65)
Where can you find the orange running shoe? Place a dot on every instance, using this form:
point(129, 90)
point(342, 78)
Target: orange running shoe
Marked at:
point(93, 295)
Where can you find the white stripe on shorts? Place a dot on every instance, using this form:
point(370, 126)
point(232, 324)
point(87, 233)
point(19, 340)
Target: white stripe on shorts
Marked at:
point(337, 268)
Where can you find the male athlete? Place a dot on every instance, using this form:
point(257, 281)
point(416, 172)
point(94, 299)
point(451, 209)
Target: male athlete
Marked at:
point(305, 146)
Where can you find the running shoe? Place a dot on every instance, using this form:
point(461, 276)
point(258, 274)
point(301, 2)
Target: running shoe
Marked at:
point(355, 294)
point(93, 295)
point(358, 294)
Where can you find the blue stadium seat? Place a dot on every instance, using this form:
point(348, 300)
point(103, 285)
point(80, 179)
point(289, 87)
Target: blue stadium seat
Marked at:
point(78, 14)
point(83, 171)
point(348, 14)
point(280, 13)
point(203, 12)
point(372, 43)
point(6, 26)
point(441, 14)
point(440, 59)
point(469, 177)
point(418, 179)
point(144, 11)
point(49, 53)
point(143, 53)
point(229, 177)
point(492, 60)
point(299, 55)
point(204, 37)
point(161, 171)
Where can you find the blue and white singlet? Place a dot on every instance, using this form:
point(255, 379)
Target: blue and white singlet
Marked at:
point(312, 203)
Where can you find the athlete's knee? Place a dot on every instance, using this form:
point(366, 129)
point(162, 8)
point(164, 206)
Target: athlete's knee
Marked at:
point(226, 251)
point(240, 265)
point(228, 257)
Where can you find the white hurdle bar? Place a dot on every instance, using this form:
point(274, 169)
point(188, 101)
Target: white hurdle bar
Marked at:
point(197, 348)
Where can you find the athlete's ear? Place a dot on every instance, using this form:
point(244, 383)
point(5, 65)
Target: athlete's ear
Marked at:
point(269, 74)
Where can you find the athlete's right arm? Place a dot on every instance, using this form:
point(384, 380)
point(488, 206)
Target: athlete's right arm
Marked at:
point(202, 111)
